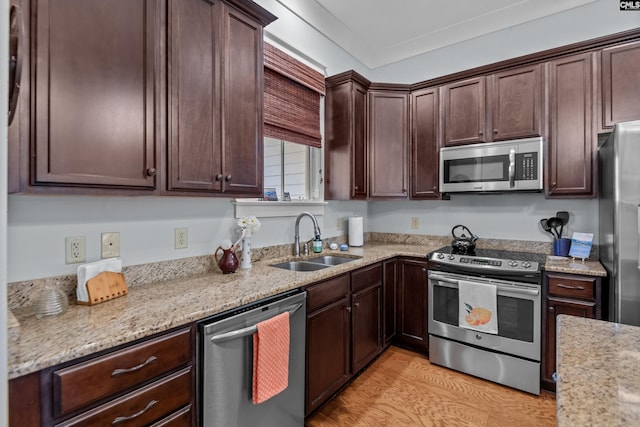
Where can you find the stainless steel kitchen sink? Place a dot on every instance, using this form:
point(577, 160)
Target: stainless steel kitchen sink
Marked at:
point(332, 259)
point(300, 266)
point(316, 263)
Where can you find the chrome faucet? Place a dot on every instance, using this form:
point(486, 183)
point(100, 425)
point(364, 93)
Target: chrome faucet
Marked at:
point(316, 231)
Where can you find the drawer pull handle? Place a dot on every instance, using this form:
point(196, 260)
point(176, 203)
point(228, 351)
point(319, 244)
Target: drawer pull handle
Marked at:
point(579, 288)
point(149, 361)
point(118, 420)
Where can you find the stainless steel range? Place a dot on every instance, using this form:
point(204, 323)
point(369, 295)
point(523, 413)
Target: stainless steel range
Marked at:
point(512, 355)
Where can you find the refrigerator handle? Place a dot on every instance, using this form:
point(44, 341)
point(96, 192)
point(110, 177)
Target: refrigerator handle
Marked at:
point(638, 247)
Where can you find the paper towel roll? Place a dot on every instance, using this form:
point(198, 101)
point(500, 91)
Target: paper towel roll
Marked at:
point(356, 231)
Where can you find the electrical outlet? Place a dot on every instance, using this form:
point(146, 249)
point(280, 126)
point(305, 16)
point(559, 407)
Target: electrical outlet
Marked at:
point(110, 245)
point(415, 223)
point(181, 238)
point(75, 249)
point(340, 224)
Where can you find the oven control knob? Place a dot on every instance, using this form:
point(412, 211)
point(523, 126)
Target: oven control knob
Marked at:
point(452, 257)
point(513, 263)
point(440, 256)
point(526, 264)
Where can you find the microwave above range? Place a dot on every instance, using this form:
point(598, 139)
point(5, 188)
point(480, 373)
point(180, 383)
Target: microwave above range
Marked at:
point(515, 165)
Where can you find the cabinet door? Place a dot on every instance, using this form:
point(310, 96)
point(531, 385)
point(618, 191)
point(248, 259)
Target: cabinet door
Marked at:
point(328, 351)
point(359, 164)
point(345, 140)
point(571, 145)
point(389, 285)
point(425, 144)
point(194, 145)
point(366, 325)
point(242, 103)
point(412, 305)
point(554, 307)
point(388, 144)
point(620, 88)
point(464, 112)
point(517, 103)
point(97, 119)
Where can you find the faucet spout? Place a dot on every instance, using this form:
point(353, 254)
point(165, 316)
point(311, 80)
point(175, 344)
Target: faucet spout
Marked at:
point(316, 230)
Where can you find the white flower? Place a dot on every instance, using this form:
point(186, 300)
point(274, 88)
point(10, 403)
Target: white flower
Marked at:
point(250, 223)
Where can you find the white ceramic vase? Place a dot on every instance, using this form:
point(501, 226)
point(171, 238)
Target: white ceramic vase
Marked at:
point(245, 262)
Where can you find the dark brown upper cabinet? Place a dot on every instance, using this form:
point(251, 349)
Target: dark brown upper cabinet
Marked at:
point(242, 103)
point(346, 165)
point(195, 145)
point(388, 142)
point(465, 120)
point(572, 145)
point(425, 144)
point(97, 119)
point(620, 88)
point(500, 106)
point(153, 97)
point(517, 100)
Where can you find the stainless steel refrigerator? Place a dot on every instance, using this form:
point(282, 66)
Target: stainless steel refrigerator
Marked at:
point(619, 205)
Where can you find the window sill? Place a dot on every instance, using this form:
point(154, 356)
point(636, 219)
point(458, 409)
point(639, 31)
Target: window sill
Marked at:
point(262, 209)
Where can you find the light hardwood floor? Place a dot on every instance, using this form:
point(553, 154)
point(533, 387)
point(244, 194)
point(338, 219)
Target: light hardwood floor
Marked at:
point(402, 388)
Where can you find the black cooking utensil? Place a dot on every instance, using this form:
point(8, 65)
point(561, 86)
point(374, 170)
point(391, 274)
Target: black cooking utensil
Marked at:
point(554, 224)
point(564, 217)
point(545, 227)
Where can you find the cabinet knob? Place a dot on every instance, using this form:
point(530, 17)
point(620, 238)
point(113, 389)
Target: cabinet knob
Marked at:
point(219, 177)
point(151, 172)
point(356, 304)
point(495, 131)
point(480, 133)
point(227, 178)
point(554, 185)
point(349, 309)
point(424, 270)
point(435, 188)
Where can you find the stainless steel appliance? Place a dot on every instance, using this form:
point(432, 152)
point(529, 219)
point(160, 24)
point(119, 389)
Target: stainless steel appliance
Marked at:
point(510, 357)
point(226, 366)
point(619, 238)
point(514, 165)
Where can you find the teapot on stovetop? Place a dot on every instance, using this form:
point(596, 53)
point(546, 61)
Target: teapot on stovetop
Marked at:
point(228, 261)
point(462, 243)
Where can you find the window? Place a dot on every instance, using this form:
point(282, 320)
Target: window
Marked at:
point(286, 168)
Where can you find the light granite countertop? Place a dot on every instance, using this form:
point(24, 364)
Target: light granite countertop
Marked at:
point(164, 304)
point(157, 307)
point(598, 380)
point(587, 267)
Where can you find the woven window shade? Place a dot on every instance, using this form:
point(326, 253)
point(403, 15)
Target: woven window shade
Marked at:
point(292, 93)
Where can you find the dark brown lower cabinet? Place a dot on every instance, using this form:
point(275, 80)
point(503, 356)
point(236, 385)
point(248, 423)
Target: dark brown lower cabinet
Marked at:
point(389, 286)
point(150, 381)
point(328, 340)
point(344, 331)
point(565, 294)
point(412, 328)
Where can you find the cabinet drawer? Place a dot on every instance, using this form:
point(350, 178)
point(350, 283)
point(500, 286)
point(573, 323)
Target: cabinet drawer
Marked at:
point(572, 287)
point(181, 418)
point(323, 293)
point(366, 277)
point(79, 385)
point(142, 406)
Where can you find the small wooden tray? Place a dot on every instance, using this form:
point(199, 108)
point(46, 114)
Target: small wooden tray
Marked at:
point(104, 287)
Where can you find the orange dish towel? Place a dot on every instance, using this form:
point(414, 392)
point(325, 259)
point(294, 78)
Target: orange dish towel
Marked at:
point(271, 358)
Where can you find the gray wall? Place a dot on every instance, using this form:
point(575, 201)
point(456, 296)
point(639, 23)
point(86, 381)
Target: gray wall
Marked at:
point(38, 224)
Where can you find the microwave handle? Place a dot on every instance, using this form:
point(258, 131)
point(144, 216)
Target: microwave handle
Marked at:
point(512, 168)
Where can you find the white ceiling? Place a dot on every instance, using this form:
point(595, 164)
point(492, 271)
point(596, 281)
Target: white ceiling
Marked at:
point(380, 32)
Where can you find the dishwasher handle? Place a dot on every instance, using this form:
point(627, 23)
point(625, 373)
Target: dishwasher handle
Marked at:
point(249, 330)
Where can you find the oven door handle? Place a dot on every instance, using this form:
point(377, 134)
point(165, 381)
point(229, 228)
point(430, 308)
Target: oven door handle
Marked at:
point(512, 168)
point(501, 289)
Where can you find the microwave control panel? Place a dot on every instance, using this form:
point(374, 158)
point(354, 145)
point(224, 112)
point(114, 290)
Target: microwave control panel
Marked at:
point(526, 166)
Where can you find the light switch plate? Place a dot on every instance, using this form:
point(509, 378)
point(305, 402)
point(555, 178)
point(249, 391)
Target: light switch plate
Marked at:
point(110, 245)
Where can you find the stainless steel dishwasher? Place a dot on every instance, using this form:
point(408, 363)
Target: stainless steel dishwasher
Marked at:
point(226, 366)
